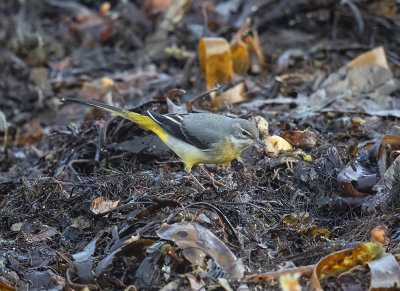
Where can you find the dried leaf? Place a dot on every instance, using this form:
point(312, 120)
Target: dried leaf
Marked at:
point(240, 50)
point(147, 272)
point(379, 235)
point(375, 57)
point(215, 60)
point(342, 261)
point(240, 57)
point(257, 61)
point(301, 139)
point(5, 285)
point(233, 95)
point(32, 132)
point(290, 282)
point(99, 205)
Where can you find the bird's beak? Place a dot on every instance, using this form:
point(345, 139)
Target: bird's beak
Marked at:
point(260, 142)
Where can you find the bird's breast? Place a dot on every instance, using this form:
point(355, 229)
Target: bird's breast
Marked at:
point(224, 152)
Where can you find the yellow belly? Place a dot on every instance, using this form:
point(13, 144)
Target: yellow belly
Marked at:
point(220, 154)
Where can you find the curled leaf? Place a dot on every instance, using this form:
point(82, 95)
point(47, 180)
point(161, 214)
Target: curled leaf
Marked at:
point(215, 60)
point(342, 261)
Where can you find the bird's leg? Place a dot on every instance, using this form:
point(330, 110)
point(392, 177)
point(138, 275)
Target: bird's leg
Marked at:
point(212, 180)
point(196, 181)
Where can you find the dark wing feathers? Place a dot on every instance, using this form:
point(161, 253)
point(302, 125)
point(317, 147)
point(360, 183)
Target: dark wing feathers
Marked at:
point(173, 124)
point(192, 139)
point(170, 123)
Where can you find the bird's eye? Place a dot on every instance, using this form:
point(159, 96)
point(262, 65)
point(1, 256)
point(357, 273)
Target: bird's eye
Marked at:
point(244, 133)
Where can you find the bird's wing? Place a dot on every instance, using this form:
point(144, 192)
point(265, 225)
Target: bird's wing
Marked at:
point(169, 122)
point(199, 129)
point(206, 129)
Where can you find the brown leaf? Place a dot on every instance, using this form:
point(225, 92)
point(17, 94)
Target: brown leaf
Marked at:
point(215, 60)
point(233, 95)
point(342, 261)
point(99, 205)
point(240, 49)
point(380, 235)
point(256, 54)
point(375, 57)
point(240, 57)
point(301, 139)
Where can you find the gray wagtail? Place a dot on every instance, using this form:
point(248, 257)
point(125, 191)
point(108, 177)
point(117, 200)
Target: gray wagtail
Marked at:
point(197, 138)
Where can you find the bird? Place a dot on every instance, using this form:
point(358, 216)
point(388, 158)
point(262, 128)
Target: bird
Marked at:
point(197, 138)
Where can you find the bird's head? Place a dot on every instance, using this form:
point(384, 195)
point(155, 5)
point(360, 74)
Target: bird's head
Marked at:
point(244, 134)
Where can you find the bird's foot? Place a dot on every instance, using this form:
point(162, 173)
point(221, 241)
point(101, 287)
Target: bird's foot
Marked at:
point(196, 181)
point(212, 180)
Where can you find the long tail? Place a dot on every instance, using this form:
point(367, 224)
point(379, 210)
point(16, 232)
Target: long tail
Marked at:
point(144, 121)
point(117, 111)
